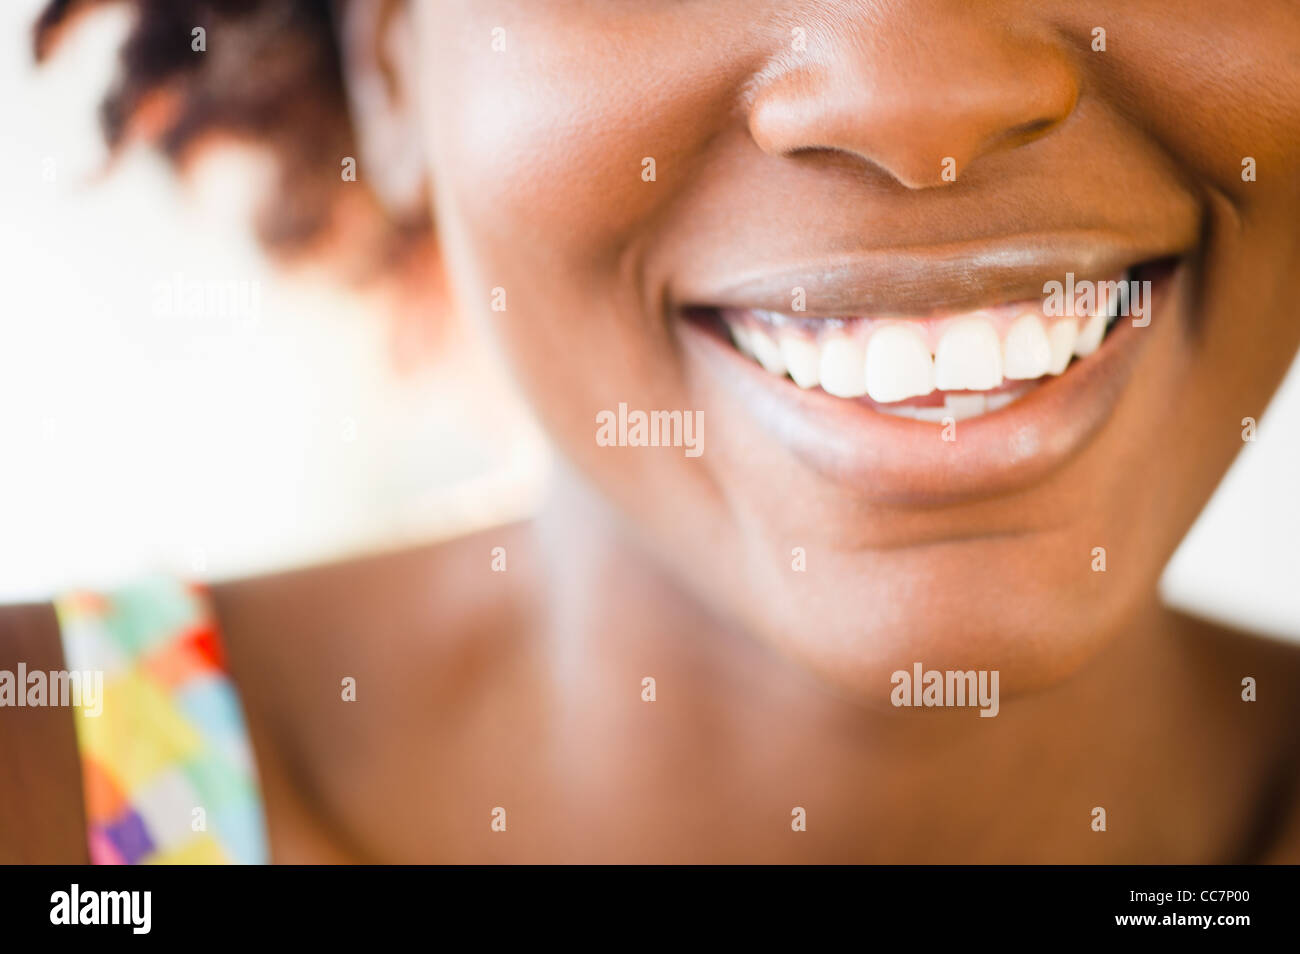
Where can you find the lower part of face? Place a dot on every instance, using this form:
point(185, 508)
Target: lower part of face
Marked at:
point(620, 188)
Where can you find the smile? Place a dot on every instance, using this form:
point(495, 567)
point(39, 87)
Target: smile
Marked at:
point(948, 366)
point(865, 398)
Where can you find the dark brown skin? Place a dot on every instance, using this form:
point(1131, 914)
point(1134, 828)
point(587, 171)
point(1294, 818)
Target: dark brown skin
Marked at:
point(462, 711)
point(551, 725)
point(523, 689)
point(40, 785)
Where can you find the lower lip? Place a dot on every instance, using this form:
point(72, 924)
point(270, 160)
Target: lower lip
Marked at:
point(900, 461)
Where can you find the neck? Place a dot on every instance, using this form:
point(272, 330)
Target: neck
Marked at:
point(936, 784)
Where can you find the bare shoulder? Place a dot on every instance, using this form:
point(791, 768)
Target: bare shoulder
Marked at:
point(1260, 679)
point(40, 776)
point(371, 685)
point(445, 596)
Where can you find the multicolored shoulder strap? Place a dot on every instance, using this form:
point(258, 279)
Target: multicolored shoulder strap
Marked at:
point(167, 768)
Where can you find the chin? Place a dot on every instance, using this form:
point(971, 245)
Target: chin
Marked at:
point(1025, 606)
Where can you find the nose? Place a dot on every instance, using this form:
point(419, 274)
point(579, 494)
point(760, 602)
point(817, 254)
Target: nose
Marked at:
point(920, 91)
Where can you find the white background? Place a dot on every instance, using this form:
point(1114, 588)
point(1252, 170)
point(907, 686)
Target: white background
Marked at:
point(133, 441)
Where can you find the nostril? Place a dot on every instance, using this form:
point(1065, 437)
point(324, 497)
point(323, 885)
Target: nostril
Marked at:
point(1025, 133)
point(1034, 129)
point(920, 119)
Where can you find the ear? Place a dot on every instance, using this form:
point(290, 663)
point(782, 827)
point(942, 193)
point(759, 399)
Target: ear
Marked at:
point(377, 50)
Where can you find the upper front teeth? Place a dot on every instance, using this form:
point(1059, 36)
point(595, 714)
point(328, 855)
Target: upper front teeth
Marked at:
point(843, 360)
point(1061, 338)
point(969, 356)
point(899, 365)
point(1027, 351)
point(893, 360)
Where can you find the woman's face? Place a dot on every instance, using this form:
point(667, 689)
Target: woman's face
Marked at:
point(923, 160)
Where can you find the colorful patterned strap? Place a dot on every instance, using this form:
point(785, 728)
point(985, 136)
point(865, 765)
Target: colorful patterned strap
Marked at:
point(167, 767)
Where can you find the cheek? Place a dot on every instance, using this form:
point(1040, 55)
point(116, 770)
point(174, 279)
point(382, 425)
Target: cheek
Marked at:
point(544, 200)
point(1227, 113)
point(541, 150)
point(1215, 83)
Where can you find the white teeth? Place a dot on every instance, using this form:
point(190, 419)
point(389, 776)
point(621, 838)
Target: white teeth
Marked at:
point(766, 351)
point(892, 359)
point(802, 359)
point(969, 356)
point(741, 336)
point(899, 365)
point(962, 406)
point(900, 410)
point(1001, 400)
point(1090, 335)
point(1062, 336)
point(1026, 351)
point(842, 366)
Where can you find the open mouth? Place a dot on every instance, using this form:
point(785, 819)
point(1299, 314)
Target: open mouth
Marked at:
point(952, 365)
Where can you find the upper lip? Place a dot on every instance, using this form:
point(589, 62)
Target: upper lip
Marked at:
point(917, 280)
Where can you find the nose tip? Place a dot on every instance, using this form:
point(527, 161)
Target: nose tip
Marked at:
point(922, 119)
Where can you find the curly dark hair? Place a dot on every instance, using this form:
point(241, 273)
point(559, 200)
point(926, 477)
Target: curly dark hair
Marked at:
point(271, 74)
